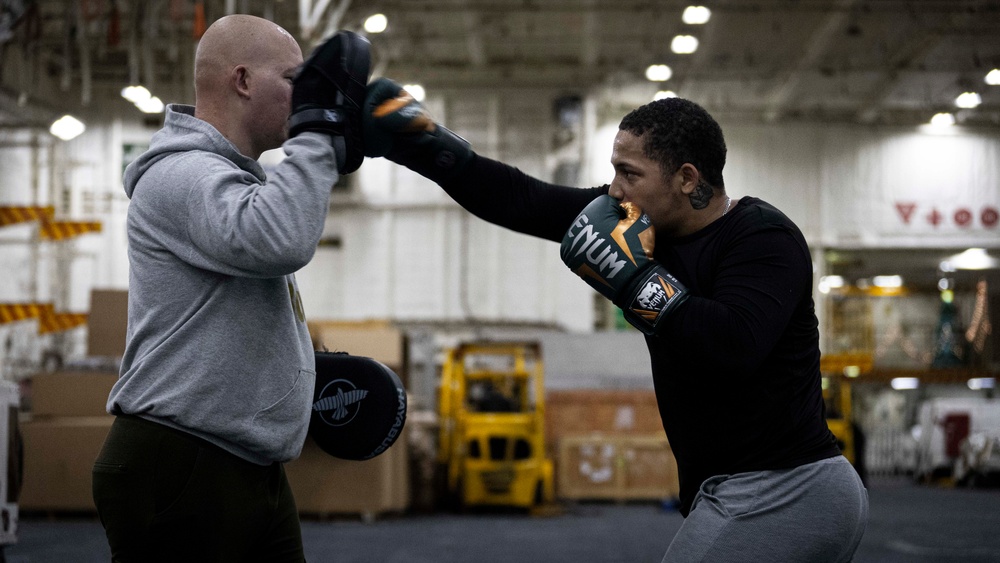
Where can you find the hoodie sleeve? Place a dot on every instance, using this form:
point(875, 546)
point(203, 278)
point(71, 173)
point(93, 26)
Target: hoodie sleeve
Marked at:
point(237, 225)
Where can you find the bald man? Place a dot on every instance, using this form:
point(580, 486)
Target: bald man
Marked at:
point(218, 373)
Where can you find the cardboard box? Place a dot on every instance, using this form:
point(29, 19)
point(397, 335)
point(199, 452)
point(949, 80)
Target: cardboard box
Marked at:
point(107, 322)
point(71, 393)
point(59, 456)
point(377, 340)
point(324, 485)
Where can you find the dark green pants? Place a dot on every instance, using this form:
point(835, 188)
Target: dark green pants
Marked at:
point(166, 496)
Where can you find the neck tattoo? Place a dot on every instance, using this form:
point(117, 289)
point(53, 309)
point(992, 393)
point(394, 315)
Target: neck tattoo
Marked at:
point(729, 202)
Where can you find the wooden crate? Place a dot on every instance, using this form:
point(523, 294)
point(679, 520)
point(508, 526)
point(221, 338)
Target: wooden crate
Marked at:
point(607, 412)
point(621, 468)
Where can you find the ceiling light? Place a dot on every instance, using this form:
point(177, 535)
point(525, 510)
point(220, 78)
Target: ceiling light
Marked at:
point(826, 283)
point(977, 383)
point(152, 105)
point(416, 90)
point(887, 281)
point(900, 383)
point(664, 94)
point(67, 127)
point(696, 15)
point(659, 73)
point(968, 100)
point(136, 94)
point(684, 44)
point(943, 119)
point(376, 23)
point(993, 77)
point(973, 259)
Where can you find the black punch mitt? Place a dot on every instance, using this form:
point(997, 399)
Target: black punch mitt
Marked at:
point(328, 92)
point(359, 406)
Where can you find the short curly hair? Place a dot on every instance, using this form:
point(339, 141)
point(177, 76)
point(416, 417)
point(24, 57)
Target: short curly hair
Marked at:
point(680, 131)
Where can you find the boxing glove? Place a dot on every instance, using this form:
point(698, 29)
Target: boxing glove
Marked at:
point(399, 128)
point(610, 245)
point(327, 95)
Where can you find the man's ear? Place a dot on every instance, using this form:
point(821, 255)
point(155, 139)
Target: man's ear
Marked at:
point(241, 81)
point(689, 178)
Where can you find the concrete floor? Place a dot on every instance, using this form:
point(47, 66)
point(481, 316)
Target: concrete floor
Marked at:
point(909, 523)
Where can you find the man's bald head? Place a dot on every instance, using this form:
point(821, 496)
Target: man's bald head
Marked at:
point(243, 73)
point(237, 39)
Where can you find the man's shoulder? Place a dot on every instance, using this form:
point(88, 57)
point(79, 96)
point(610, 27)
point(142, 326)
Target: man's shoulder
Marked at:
point(765, 212)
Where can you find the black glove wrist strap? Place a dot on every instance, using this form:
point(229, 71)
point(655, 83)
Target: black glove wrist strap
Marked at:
point(650, 298)
point(332, 121)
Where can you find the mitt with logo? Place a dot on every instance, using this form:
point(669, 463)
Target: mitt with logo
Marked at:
point(359, 406)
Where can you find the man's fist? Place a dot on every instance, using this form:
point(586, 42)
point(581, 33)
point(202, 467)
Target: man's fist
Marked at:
point(398, 127)
point(610, 245)
point(327, 94)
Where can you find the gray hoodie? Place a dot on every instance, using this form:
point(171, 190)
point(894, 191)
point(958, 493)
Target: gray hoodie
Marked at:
point(217, 344)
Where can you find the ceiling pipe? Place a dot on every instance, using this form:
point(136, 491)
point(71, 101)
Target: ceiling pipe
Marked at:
point(823, 38)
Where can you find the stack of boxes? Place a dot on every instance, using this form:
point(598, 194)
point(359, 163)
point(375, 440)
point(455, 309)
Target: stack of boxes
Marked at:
point(63, 434)
point(66, 421)
point(324, 485)
point(67, 424)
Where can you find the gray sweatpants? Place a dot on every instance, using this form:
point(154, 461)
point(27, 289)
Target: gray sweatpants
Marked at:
point(813, 513)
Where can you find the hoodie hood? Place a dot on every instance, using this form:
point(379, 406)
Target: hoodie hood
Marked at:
point(182, 132)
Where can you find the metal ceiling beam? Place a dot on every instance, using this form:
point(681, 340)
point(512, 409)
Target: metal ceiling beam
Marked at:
point(822, 39)
point(312, 13)
point(474, 39)
point(912, 50)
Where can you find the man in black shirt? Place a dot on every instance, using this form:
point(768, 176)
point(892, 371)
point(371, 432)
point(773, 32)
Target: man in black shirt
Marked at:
point(722, 290)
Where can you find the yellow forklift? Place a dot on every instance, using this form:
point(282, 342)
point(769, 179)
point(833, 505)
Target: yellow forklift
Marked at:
point(838, 370)
point(491, 407)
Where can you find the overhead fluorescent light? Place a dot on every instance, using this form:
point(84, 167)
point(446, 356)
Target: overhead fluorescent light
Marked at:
point(943, 119)
point(993, 77)
point(663, 94)
point(67, 127)
point(977, 383)
point(136, 94)
point(684, 44)
point(973, 259)
point(376, 23)
point(416, 90)
point(152, 105)
point(968, 100)
point(887, 281)
point(826, 283)
point(901, 383)
point(658, 73)
point(696, 15)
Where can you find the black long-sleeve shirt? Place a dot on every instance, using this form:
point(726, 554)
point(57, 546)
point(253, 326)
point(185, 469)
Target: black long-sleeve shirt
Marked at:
point(736, 372)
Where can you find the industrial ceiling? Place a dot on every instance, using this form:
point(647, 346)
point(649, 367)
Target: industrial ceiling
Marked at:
point(873, 62)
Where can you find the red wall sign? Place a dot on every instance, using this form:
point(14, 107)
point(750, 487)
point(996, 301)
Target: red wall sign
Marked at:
point(965, 217)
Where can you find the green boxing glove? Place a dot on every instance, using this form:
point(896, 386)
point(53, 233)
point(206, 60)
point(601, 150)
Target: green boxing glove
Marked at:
point(398, 127)
point(610, 246)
